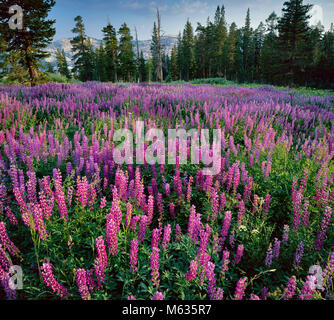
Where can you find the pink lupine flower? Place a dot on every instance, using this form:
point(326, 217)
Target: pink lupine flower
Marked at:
point(111, 235)
point(267, 170)
point(239, 254)
point(294, 189)
point(222, 201)
point(39, 222)
point(214, 204)
point(133, 256)
point(225, 262)
point(101, 251)
point(172, 210)
point(6, 242)
point(254, 297)
point(240, 289)
point(296, 210)
point(81, 278)
point(226, 226)
point(50, 280)
point(324, 226)
point(47, 206)
point(133, 223)
point(290, 289)
point(82, 191)
point(166, 237)
point(236, 179)
point(190, 182)
point(248, 189)
point(303, 181)
point(306, 213)
point(191, 275)
point(5, 263)
point(142, 228)
point(103, 203)
point(155, 238)
point(11, 216)
point(191, 223)
point(203, 257)
point(158, 296)
point(59, 195)
point(132, 297)
point(129, 211)
point(241, 212)
point(150, 209)
point(267, 203)
point(309, 288)
point(178, 233)
point(154, 266)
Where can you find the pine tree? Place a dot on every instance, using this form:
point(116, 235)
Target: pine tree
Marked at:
point(220, 32)
point(143, 68)
point(245, 74)
point(82, 54)
point(111, 49)
point(188, 51)
point(294, 34)
point(36, 34)
point(174, 65)
point(269, 53)
point(62, 65)
point(126, 54)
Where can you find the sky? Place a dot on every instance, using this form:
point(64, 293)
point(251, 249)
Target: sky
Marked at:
point(174, 14)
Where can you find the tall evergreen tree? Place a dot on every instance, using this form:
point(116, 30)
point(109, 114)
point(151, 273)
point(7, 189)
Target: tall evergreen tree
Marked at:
point(294, 34)
point(188, 51)
point(111, 49)
point(126, 54)
point(142, 68)
point(174, 65)
point(62, 64)
point(246, 46)
point(82, 54)
point(36, 34)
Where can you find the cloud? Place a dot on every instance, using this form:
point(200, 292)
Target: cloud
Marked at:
point(316, 14)
point(142, 5)
point(191, 7)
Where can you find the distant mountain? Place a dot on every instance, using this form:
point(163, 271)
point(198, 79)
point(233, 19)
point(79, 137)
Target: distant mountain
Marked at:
point(168, 43)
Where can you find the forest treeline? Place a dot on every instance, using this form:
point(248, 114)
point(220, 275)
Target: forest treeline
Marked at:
point(283, 50)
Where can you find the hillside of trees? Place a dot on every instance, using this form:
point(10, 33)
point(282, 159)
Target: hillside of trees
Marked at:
point(283, 50)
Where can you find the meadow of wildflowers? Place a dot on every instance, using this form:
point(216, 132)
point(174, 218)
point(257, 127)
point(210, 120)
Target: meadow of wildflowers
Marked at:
point(81, 226)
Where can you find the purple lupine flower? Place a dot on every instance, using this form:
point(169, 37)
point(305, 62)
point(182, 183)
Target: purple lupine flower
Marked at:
point(239, 254)
point(299, 254)
point(178, 232)
point(290, 289)
point(226, 225)
point(132, 297)
point(267, 203)
point(158, 296)
point(324, 226)
point(276, 248)
point(172, 210)
point(269, 257)
point(101, 251)
point(133, 256)
point(254, 297)
point(306, 214)
point(142, 228)
point(296, 210)
point(210, 273)
point(241, 212)
point(240, 289)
